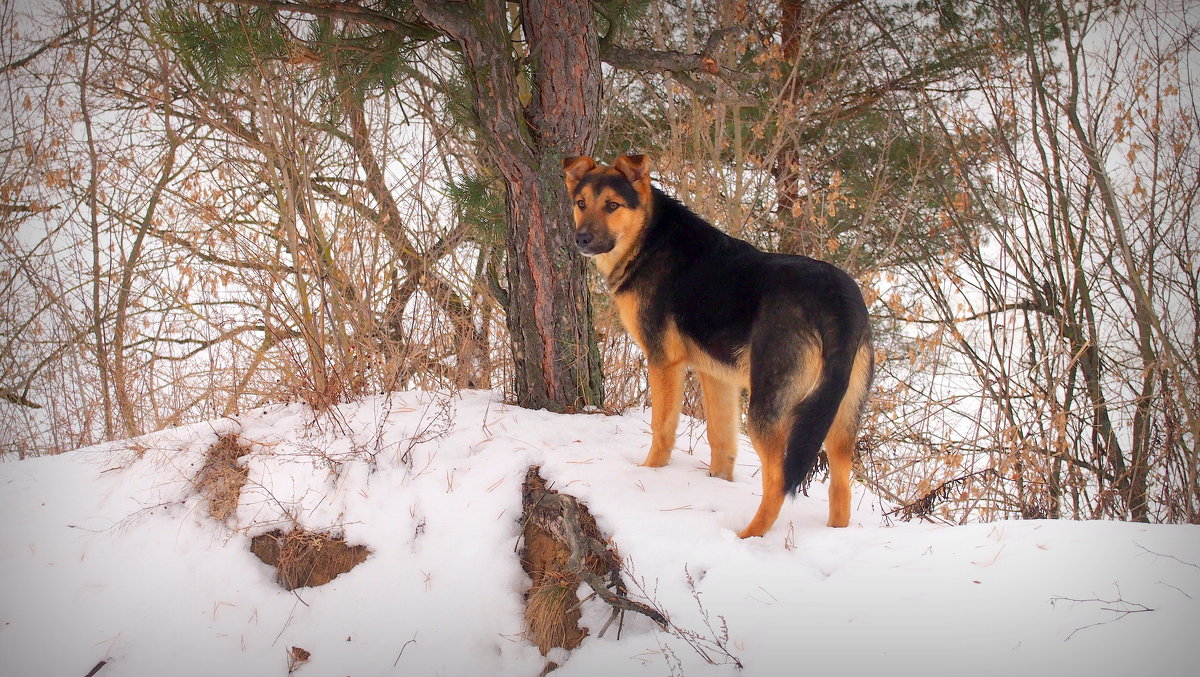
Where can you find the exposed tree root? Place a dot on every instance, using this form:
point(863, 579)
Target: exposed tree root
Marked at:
point(562, 548)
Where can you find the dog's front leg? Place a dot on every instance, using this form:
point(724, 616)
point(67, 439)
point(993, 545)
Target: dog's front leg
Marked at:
point(721, 408)
point(666, 400)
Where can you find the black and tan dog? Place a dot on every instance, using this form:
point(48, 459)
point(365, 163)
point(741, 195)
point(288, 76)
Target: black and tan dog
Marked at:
point(792, 329)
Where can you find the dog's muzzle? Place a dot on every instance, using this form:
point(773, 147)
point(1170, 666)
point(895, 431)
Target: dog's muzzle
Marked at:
point(590, 245)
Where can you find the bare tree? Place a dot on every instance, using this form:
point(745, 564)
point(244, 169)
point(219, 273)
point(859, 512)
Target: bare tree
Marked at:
point(1057, 313)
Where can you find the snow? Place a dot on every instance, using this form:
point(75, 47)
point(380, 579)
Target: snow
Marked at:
point(108, 553)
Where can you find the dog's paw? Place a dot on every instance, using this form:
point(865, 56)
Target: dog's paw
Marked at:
point(725, 474)
point(656, 459)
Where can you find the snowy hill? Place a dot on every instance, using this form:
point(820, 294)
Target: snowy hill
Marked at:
point(111, 554)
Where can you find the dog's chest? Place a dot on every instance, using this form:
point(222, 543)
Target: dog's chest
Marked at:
point(628, 308)
point(652, 328)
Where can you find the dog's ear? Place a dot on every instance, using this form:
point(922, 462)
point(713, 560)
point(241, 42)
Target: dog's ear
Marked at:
point(574, 167)
point(636, 168)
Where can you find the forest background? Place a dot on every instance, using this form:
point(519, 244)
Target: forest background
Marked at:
point(205, 206)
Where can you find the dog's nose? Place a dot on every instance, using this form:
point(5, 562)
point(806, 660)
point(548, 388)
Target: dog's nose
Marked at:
point(583, 239)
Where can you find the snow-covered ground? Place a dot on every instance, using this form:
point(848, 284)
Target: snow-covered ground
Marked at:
point(108, 554)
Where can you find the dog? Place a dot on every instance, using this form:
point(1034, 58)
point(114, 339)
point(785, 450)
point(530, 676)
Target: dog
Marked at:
point(792, 330)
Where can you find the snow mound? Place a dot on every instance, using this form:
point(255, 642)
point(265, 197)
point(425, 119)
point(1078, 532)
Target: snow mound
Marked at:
point(110, 554)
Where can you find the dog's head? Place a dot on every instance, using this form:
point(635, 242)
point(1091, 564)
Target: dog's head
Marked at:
point(611, 204)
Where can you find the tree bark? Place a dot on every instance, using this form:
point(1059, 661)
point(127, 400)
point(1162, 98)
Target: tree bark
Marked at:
point(549, 314)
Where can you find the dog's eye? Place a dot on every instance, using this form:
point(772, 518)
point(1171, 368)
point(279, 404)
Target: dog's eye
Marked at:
point(612, 206)
point(580, 204)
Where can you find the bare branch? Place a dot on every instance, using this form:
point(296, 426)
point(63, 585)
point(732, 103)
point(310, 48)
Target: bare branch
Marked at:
point(11, 395)
point(59, 40)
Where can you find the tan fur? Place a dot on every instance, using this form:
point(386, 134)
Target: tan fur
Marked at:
point(625, 224)
point(666, 401)
point(627, 309)
point(771, 446)
point(703, 363)
point(804, 380)
point(722, 407)
point(840, 441)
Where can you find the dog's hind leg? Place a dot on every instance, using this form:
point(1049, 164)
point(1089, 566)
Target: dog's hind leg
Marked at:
point(666, 401)
point(840, 441)
point(721, 408)
point(839, 448)
point(785, 372)
point(770, 441)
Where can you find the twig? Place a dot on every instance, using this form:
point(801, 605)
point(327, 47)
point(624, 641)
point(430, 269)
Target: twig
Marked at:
point(705, 646)
point(1159, 554)
point(1122, 611)
point(612, 617)
point(923, 506)
point(1175, 588)
point(402, 648)
point(717, 641)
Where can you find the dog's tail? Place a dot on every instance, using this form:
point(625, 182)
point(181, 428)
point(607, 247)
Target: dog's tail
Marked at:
point(813, 416)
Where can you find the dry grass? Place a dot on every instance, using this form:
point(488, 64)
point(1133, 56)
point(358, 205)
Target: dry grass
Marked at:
point(221, 478)
point(551, 605)
point(307, 558)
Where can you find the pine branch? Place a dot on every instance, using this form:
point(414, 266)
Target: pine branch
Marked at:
point(671, 61)
point(412, 27)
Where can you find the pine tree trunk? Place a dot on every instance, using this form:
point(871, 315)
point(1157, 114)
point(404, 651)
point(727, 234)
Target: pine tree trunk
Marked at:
point(563, 369)
point(555, 360)
point(557, 364)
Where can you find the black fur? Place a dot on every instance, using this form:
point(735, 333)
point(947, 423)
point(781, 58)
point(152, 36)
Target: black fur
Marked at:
point(617, 183)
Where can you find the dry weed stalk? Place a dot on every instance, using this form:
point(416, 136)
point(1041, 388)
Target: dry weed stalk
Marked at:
point(297, 656)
